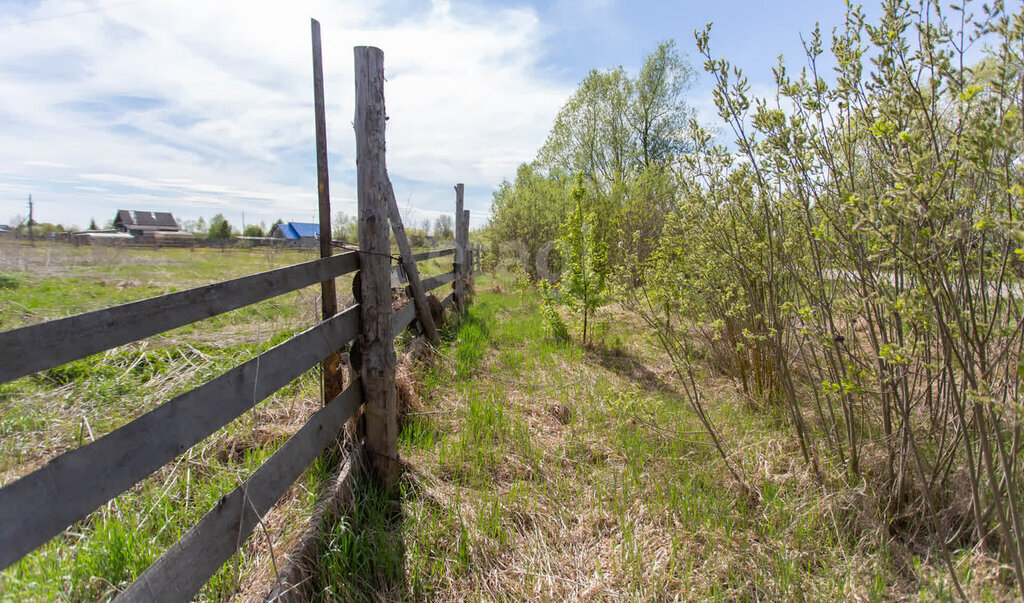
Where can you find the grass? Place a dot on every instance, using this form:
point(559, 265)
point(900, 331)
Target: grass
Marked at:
point(62, 408)
point(535, 468)
point(538, 469)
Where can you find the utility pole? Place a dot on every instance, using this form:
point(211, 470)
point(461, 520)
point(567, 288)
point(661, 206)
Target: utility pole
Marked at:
point(31, 239)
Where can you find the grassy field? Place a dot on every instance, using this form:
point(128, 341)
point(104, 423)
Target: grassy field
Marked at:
point(60, 409)
point(535, 469)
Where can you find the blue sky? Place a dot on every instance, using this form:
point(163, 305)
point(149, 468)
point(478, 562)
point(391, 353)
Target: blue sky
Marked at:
point(147, 104)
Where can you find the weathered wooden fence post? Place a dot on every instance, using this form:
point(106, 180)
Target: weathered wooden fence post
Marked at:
point(460, 251)
point(468, 264)
point(377, 371)
point(333, 376)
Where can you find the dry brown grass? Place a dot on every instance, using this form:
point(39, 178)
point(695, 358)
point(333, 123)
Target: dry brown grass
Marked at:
point(544, 472)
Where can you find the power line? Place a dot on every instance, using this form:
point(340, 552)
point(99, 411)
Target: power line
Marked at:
point(70, 14)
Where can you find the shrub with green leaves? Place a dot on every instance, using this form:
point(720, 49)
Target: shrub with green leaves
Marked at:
point(584, 258)
point(553, 322)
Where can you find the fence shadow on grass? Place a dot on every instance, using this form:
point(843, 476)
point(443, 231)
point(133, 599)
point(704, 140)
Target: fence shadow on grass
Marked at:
point(362, 554)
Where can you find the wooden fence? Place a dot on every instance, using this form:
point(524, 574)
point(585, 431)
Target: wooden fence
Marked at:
point(42, 504)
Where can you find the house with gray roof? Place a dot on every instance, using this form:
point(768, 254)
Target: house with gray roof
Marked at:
point(145, 223)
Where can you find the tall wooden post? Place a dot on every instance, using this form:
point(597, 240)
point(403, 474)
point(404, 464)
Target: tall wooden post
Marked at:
point(31, 238)
point(333, 375)
point(467, 269)
point(377, 371)
point(460, 251)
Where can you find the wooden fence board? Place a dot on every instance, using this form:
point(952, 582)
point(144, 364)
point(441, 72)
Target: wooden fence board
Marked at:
point(436, 253)
point(447, 301)
point(294, 580)
point(183, 570)
point(40, 505)
point(412, 272)
point(38, 347)
point(436, 281)
point(399, 276)
point(402, 318)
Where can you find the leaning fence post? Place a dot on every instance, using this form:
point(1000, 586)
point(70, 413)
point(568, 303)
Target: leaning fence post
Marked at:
point(377, 370)
point(419, 297)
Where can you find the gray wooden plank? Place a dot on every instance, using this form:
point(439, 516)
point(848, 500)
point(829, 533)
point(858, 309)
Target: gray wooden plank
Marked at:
point(40, 505)
point(399, 276)
point(328, 294)
point(331, 374)
point(447, 301)
point(460, 250)
point(436, 253)
point(181, 571)
point(294, 580)
point(402, 318)
point(436, 281)
point(49, 344)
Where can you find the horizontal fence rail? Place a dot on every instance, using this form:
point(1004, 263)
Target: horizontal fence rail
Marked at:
point(189, 563)
point(429, 284)
point(42, 504)
point(436, 253)
point(42, 346)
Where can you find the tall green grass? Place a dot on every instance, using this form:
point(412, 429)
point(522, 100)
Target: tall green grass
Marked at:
point(540, 469)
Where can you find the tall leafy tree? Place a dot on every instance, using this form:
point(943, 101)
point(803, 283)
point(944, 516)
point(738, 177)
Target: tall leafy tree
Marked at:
point(220, 228)
point(590, 135)
point(526, 214)
point(345, 227)
point(657, 111)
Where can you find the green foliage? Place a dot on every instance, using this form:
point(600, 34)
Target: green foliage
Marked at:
point(220, 228)
point(253, 230)
point(623, 133)
point(417, 237)
point(526, 215)
point(584, 258)
point(553, 323)
point(8, 281)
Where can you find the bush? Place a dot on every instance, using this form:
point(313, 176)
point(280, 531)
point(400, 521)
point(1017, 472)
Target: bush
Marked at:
point(8, 282)
point(553, 322)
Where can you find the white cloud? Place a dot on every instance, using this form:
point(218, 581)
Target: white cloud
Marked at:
point(204, 107)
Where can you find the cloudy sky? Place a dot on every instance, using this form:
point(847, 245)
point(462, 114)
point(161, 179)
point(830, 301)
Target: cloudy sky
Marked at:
point(205, 107)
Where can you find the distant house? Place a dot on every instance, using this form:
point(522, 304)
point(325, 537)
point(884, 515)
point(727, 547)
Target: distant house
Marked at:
point(5, 230)
point(296, 230)
point(297, 234)
point(145, 223)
